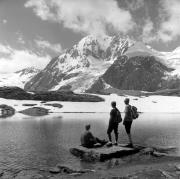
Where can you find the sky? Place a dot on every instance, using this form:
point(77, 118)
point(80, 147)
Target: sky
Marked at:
point(34, 31)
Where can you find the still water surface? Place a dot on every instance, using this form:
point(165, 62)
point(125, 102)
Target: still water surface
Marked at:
point(27, 142)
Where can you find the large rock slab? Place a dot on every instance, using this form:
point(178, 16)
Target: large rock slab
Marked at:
point(102, 153)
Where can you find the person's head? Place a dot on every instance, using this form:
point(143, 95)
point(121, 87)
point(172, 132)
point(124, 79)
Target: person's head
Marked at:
point(87, 127)
point(113, 104)
point(126, 101)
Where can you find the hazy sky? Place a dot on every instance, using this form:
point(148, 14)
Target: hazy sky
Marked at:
point(33, 31)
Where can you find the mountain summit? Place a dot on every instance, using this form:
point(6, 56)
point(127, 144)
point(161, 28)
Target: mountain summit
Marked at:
point(98, 63)
point(78, 67)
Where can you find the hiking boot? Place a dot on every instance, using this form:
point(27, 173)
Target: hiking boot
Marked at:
point(109, 144)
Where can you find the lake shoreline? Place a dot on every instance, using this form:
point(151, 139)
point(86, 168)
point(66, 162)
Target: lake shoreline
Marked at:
point(151, 104)
point(148, 167)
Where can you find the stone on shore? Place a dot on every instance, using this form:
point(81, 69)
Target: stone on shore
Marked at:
point(6, 111)
point(35, 111)
point(102, 153)
point(55, 105)
point(29, 104)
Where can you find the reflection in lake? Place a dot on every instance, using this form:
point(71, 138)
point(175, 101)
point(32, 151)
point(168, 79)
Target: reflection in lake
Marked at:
point(45, 141)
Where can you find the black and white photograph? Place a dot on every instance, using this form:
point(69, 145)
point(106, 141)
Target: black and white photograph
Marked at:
point(89, 89)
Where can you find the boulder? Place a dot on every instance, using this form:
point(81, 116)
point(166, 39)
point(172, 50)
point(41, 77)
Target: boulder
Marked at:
point(178, 167)
point(147, 151)
point(6, 111)
point(35, 111)
point(55, 170)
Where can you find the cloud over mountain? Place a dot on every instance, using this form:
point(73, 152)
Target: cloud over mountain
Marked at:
point(169, 28)
point(87, 16)
point(12, 59)
point(44, 44)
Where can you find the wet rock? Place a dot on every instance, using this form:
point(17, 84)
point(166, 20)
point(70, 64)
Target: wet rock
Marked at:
point(159, 154)
point(147, 151)
point(65, 169)
point(55, 170)
point(178, 167)
point(29, 175)
point(35, 111)
point(102, 153)
point(29, 104)
point(56, 105)
point(1, 173)
point(166, 174)
point(6, 111)
point(165, 149)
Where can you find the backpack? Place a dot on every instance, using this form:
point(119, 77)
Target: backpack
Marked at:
point(134, 112)
point(118, 116)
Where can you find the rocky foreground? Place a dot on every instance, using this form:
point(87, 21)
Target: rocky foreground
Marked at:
point(20, 94)
point(149, 163)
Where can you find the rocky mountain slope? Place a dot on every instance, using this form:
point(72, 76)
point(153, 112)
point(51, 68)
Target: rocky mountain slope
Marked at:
point(95, 64)
point(18, 78)
point(81, 65)
point(142, 73)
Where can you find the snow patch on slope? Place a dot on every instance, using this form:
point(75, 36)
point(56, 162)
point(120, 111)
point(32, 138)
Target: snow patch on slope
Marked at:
point(151, 104)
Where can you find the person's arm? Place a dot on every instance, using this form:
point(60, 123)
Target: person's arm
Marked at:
point(111, 116)
point(126, 113)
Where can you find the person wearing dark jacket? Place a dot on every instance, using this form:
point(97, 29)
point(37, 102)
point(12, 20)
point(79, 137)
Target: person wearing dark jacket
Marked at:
point(88, 140)
point(113, 124)
point(128, 121)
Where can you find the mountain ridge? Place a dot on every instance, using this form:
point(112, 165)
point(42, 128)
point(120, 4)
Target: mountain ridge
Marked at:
point(18, 78)
point(84, 62)
point(87, 65)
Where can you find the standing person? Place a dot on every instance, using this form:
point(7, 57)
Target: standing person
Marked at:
point(128, 121)
point(113, 122)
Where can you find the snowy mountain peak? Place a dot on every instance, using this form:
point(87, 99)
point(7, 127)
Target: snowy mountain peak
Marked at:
point(81, 65)
point(29, 70)
point(18, 78)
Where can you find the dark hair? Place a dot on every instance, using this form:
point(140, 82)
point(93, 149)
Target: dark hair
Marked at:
point(113, 103)
point(88, 126)
point(126, 101)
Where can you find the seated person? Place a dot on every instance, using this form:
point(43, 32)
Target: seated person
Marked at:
point(88, 140)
